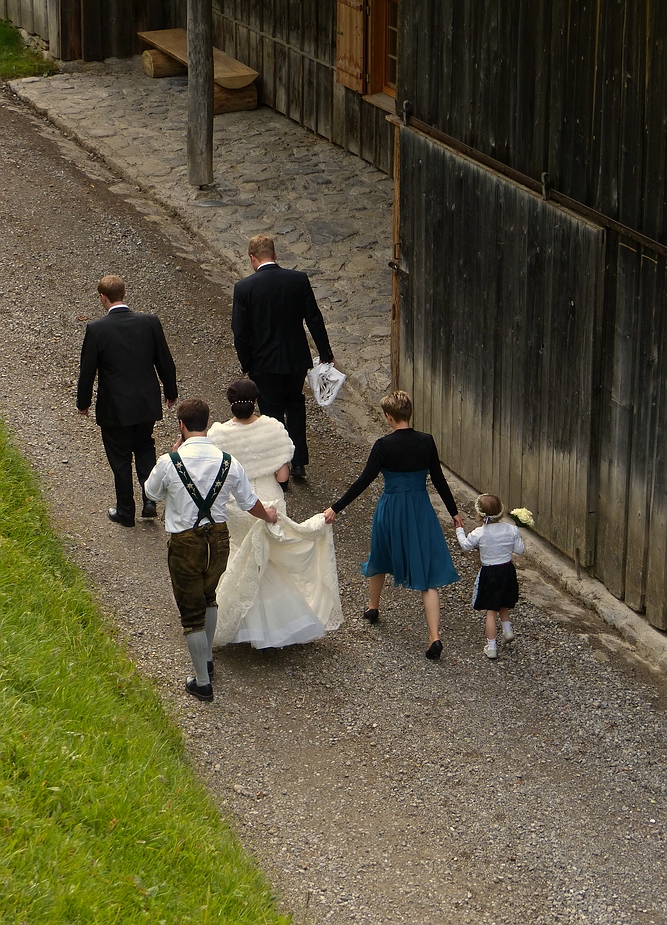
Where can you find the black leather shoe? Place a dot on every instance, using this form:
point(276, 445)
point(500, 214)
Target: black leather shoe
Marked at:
point(201, 692)
point(434, 650)
point(372, 615)
point(211, 670)
point(115, 518)
point(149, 509)
point(299, 472)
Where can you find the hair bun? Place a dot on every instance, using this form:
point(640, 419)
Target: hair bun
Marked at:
point(242, 390)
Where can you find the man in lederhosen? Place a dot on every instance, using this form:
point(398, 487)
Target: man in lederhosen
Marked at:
point(196, 481)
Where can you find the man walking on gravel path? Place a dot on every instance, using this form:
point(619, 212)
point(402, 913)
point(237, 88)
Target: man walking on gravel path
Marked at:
point(196, 481)
point(268, 314)
point(127, 351)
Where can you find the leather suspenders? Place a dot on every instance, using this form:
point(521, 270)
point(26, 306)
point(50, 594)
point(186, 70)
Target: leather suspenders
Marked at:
point(204, 505)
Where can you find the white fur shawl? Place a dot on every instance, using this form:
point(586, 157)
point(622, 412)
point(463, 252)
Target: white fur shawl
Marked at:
point(261, 447)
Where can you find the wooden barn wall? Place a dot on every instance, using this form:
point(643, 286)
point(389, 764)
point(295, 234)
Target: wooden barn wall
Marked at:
point(499, 311)
point(631, 555)
point(535, 344)
point(574, 89)
point(109, 27)
point(31, 15)
point(292, 45)
point(92, 29)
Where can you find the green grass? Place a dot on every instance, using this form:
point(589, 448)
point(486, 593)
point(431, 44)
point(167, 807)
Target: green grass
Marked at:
point(17, 60)
point(102, 819)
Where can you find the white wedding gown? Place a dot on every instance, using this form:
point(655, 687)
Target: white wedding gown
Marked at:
point(281, 582)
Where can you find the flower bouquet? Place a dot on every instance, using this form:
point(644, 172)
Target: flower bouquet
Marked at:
point(522, 517)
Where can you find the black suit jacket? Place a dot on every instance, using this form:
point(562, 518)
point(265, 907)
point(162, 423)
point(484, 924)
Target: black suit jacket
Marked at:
point(125, 349)
point(268, 314)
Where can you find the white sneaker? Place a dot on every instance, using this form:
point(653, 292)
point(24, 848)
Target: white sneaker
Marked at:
point(509, 635)
point(491, 651)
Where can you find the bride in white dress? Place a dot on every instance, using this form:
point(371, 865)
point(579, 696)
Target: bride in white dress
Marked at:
point(281, 582)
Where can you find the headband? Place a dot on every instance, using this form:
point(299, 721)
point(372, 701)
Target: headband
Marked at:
point(488, 518)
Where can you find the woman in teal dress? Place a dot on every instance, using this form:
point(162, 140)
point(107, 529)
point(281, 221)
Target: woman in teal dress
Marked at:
point(406, 537)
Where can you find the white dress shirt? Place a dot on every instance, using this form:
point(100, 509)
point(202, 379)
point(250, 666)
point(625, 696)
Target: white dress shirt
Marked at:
point(496, 542)
point(202, 460)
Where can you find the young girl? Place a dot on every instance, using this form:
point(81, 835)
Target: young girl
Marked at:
point(496, 588)
point(406, 537)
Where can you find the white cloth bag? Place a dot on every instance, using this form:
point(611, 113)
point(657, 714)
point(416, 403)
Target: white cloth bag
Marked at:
point(325, 381)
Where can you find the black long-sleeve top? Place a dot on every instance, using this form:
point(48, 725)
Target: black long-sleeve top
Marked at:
point(404, 450)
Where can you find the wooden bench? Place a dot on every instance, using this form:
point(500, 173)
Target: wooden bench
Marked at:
point(233, 83)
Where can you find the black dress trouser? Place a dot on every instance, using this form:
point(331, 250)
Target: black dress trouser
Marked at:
point(281, 397)
point(120, 444)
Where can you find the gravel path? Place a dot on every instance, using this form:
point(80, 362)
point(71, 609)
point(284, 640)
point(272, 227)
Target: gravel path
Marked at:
point(373, 786)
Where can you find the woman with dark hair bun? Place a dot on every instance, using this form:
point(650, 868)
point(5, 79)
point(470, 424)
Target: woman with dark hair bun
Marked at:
point(281, 585)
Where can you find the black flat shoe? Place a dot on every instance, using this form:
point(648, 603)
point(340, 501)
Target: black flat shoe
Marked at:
point(149, 509)
point(201, 692)
point(372, 615)
point(299, 472)
point(434, 650)
point(116, 518)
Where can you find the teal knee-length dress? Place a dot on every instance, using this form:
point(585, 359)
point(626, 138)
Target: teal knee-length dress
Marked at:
point(406, 537)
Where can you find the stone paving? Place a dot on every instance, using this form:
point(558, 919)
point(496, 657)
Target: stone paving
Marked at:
point(329, 211)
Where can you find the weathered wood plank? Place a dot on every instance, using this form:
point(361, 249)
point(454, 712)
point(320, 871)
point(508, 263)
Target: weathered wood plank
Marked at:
point(655, 90)
point(309, 94)
point(325, 79)
point(27, 17)
point(353, 106)
point(656, 588)
point(339, 112)
point(616, 430)
point(643, 434)
point(55, 35)
point(268, 78)
point(295, 91)
point(15, 13)
point(631, 116)
point(295, 11)
point(281, 78)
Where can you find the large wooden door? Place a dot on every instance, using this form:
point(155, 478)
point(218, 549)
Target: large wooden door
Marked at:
point(500, 317)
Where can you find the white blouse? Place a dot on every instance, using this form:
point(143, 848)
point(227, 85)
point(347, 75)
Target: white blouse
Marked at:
point(496, 542)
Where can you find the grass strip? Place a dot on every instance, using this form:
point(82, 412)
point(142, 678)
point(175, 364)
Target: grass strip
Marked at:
point(17, 59)
point(102, 820)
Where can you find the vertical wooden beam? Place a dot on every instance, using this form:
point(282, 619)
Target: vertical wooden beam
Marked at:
point(200, 92)
point(91, 31)
point(53, 19)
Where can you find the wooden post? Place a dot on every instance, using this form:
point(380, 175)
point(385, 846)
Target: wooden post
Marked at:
point(200, 92)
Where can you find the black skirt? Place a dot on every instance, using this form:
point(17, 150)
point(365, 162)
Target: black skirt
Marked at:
point(496, 586)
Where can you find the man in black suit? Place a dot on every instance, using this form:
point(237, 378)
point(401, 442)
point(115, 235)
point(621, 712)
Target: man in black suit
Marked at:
point(268, 314)
point(125, 349)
